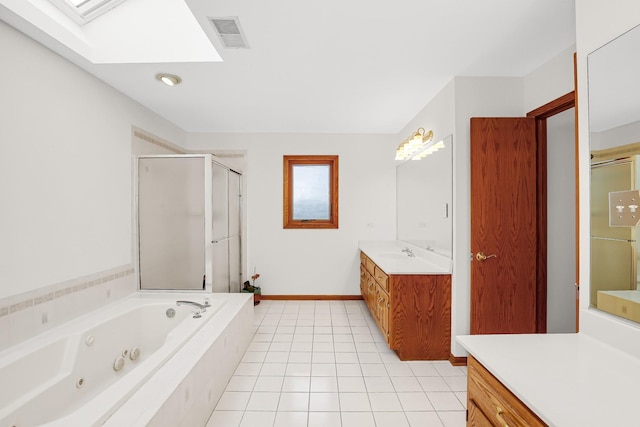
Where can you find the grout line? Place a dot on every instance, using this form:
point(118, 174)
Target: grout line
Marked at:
point(276, 311)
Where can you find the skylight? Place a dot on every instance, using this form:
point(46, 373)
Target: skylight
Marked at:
point(83, 11)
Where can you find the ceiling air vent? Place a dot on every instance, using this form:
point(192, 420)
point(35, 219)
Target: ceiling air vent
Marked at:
point(230, 32)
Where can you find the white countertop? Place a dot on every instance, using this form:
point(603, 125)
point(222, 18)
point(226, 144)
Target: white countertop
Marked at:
point(388, 255)
point(566, 379)
point(631, 295)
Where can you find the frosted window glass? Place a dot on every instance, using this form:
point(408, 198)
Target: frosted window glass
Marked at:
point(311, 192)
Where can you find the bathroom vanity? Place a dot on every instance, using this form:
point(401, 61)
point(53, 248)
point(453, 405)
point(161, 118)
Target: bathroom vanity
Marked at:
point(549, 379)
point(489, 402)
point(408, 291)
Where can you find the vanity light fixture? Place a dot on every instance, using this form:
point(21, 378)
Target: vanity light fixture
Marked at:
point(412, 145)
point(430, 148)
point(169, 79)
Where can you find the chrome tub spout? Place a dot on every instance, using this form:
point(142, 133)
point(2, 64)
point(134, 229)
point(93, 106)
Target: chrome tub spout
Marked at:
point(200, 307)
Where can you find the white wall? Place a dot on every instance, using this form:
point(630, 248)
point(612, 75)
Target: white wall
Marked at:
point(549, 81)
point(544, 84)
point(475, 97)
point(65, 168)
point(438, 114)
point(561, 221)
point(597, 23)
point(292, 262)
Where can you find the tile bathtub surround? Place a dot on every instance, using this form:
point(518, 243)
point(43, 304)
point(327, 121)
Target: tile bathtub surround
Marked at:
point(325, 363)
point(26, 315)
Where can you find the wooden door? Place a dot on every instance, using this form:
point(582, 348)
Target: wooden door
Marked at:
point(503, 225)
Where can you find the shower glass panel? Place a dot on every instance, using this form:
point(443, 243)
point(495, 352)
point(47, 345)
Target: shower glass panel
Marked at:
point(171, 222)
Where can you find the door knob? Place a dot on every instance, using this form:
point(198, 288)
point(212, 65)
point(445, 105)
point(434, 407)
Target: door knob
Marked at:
point(480, 256)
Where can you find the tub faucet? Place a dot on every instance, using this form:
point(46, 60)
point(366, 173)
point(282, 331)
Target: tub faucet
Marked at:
point(201, 308)
point(409, 252)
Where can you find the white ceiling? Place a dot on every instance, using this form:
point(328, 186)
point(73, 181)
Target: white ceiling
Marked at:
point(334, 66)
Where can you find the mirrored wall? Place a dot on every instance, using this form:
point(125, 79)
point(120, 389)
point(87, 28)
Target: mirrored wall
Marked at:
point(614, 124)
point(425, 200)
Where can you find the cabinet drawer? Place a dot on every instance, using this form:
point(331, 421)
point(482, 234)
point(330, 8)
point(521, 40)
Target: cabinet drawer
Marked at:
point(371, 266)
point(495, 401)
point(382, 278)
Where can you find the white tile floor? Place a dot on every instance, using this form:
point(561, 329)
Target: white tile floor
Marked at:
point(325, 363)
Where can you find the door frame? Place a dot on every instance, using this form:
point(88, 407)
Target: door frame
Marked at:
point(541, 114)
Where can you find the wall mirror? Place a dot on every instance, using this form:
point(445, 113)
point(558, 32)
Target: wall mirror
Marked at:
point(614, 130)
point(424, 200)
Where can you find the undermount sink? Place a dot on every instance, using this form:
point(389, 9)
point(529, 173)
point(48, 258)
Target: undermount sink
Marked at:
point(395, 256)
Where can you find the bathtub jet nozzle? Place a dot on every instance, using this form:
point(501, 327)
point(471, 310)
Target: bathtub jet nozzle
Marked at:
point(118, 364)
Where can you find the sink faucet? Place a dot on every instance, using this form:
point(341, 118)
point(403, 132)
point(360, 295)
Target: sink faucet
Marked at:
point(201, 308)
point(409, 252)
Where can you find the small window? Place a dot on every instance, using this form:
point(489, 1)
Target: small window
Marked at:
point(310, 191)
point(83, 11)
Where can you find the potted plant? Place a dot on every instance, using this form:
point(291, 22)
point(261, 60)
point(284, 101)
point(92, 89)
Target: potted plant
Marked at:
point(250, 287)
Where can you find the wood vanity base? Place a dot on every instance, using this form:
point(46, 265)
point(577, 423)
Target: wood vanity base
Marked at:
point(413, 311)
point(489, 403)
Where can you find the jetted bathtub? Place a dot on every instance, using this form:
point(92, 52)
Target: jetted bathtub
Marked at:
point(81, 373)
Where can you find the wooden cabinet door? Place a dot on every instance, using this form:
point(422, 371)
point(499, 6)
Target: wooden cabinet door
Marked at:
point(476, 417)
point(496, 401)
point(371, 291)
point(383, 312)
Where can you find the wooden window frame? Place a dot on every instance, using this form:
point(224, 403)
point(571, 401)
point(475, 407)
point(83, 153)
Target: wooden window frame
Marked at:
point(288, 163)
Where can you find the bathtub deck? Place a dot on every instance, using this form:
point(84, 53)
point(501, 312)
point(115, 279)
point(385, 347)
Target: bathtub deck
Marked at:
point(185, 392)
point(67, 377)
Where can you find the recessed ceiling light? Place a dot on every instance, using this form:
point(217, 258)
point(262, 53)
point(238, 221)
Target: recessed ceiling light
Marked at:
point(168, 79)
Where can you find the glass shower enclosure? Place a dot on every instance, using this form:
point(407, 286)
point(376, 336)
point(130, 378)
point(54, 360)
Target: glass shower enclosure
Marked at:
point(188, 223)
